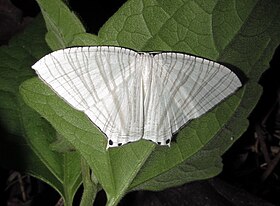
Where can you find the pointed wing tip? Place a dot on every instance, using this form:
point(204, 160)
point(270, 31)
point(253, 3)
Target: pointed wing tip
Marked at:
point(36, 66)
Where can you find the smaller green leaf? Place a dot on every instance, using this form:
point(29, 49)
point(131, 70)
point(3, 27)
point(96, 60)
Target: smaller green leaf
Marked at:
point(25, 146)
point(62, 24)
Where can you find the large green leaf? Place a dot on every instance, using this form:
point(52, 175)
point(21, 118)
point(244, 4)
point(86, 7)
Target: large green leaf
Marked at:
point(25, 145)
point(243, 34)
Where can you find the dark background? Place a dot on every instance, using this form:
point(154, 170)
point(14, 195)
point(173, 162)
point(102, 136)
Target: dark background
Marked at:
point(245, 180)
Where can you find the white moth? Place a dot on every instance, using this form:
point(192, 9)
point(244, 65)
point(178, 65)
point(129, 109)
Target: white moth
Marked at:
point(131, 96)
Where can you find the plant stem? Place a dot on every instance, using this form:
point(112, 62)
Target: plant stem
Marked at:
point(112, 202)
point(90, 187)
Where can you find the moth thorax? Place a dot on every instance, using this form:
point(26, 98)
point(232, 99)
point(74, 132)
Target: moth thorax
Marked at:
point(146, 73)
point(146, 68)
